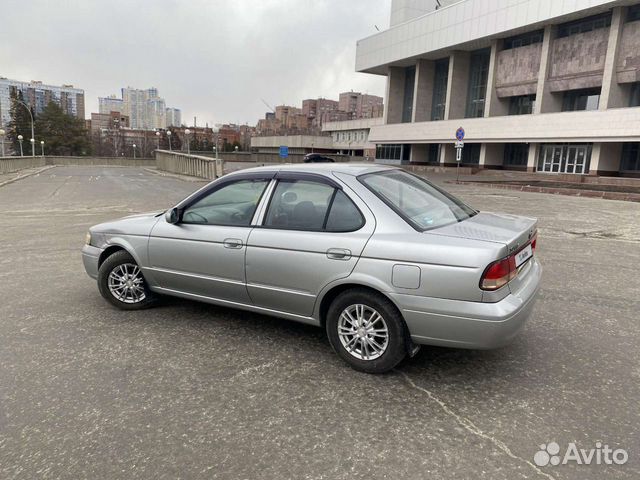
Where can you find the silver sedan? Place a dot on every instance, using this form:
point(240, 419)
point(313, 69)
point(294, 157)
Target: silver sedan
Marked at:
point(383, 260)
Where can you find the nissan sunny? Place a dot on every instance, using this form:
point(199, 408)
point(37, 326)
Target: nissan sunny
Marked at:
point(384, 260)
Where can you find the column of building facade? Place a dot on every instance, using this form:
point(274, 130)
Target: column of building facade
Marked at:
point(605, 157)
point(422, 104)
point(394, 95)
point(492, 154)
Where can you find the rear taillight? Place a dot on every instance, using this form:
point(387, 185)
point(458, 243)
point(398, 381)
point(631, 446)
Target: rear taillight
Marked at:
point(498, 274)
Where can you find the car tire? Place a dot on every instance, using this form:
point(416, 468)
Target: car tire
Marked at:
point(367, 342)
point(122, 284)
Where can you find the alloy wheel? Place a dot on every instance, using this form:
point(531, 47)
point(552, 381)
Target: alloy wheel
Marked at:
point(363, 332)
point(126, 283)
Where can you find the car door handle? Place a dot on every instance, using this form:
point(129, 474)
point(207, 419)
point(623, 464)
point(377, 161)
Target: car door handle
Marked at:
point(339, 254)
point(233, 243)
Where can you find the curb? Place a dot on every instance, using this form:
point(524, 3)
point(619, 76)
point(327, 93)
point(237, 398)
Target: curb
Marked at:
point(26, 175)
point(571, 192)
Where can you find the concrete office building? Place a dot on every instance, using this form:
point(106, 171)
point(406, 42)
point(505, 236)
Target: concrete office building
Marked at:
point(38, 95)
point(539, 85)
point(352, 136)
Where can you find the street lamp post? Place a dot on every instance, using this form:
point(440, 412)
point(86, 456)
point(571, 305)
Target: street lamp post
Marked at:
point(187, 132)
point(33, 135)
point(134, 150)
point(169, 139)
point(2, 134)
point(33, 146)
point(236, 149)
point(20, 138)
point(158, 137)
point(42, 146)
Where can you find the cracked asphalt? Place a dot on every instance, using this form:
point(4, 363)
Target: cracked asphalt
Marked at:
point(189, 390)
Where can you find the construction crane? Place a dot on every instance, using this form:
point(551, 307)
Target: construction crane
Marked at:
point(268, 106)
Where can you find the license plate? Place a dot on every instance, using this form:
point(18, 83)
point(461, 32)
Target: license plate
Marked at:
point(523, 255)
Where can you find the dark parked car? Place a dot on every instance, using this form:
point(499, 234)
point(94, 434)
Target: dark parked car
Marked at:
point(317, 158)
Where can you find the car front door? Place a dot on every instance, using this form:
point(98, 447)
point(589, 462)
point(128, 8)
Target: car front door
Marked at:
point(203, 253)
point(312, 233)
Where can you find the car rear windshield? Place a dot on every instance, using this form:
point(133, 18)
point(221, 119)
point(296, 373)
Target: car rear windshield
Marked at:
point(417, 201)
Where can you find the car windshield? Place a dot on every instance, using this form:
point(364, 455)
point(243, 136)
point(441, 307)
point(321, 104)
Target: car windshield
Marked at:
point(417, 201)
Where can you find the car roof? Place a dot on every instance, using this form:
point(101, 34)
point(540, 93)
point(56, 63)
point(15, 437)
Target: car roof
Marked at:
point(320, 168)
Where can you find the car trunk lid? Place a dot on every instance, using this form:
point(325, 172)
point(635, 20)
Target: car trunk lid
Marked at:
point(512, 231)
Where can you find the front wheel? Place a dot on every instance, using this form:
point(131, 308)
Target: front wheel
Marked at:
point(367, 331)
point(122, 284)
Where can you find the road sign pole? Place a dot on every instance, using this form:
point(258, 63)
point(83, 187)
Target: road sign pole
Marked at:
point(459, 146)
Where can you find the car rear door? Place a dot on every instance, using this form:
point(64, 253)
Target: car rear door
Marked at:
point(312, 233)
point(203, 254)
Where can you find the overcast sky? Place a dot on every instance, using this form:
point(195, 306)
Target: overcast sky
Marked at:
point(212, 58)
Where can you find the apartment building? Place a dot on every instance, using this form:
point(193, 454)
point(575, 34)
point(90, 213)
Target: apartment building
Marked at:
point(539, 85)
point(173, 117)
point(144, 107)
point(38, 95)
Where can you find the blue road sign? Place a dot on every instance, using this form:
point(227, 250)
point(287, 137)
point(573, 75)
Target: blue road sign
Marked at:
point(460, 134)
point(284, 151)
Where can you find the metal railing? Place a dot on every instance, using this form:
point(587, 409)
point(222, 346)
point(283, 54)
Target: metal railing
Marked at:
point(192, 165)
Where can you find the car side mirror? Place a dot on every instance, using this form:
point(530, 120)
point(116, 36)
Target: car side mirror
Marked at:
point(172, 216)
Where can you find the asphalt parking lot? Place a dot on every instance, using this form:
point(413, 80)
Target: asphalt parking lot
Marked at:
point(189, 390)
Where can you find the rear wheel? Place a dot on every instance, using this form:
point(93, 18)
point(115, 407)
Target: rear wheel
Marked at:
point(367, 331)
point(122, 284)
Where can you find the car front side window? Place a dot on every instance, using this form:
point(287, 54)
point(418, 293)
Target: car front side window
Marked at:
point(232, 204)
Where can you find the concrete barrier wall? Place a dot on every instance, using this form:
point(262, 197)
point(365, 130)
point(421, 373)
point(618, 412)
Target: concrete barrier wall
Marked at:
point(193, 165)
point(13, 164)
point(102, 161)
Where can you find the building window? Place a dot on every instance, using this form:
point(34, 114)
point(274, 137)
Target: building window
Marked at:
point(433, 154)
point(522, 105)
point(584, 25)
point(396, 153)
point(478, 76)
point(441, 80)
point(585, 99)
point(630, 158)
point(635, 95)
point(633, 14)
point(523, 40)
point(409, 85)
point(516, 154)
point(471, 154)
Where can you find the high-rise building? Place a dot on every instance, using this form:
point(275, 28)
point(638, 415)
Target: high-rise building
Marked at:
point(538, 85)
point(174, 117)
point(145, 108)
point(38, 96)
point(109, 104)
point(361, 105)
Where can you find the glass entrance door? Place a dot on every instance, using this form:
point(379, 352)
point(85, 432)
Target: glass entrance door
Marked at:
point(565, 159)
point(552, 159)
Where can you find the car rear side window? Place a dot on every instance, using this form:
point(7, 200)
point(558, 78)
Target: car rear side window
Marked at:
point(311, 206)
point(344, 216)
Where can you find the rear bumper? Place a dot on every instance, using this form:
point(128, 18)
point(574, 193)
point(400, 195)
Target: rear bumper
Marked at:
point(476, 325)
point(90, 259)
